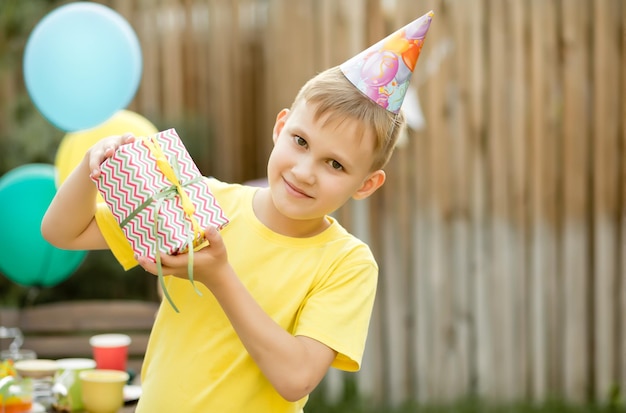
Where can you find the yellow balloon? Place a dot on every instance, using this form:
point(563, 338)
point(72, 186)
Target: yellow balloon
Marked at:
point(75, 144)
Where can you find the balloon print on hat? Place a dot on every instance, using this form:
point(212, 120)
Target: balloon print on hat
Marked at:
point(383, 71)
point(26, 258)
point(82, 63)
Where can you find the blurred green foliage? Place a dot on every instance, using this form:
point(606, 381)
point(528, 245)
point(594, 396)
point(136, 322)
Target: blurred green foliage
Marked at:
point(25, 136)
point(98, 277)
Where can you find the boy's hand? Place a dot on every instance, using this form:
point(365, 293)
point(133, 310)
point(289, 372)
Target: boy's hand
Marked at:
point(69, 223)
point(105, 148)
point(209, 263)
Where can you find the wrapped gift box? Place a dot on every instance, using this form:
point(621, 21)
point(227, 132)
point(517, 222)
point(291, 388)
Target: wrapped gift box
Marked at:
point(158, 196)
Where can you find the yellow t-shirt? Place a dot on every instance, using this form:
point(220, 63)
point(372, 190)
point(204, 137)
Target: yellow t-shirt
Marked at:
point(322, 287)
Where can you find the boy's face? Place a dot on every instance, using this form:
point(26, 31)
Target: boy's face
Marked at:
point(315, 168)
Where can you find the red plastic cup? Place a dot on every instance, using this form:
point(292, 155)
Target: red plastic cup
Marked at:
point(110, 351)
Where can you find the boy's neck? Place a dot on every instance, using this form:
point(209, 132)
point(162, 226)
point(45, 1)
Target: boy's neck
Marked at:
point(266, 212)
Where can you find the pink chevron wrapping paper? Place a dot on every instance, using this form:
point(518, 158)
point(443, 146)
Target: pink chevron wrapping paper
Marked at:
point(131, 182)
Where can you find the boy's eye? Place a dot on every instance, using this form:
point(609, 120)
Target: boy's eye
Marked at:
point(300, 141)
point(336, 165)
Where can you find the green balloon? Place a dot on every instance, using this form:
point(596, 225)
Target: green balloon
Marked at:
point(26, 258)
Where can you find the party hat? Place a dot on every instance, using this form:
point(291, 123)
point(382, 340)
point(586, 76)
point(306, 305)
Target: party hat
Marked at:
point(383, 71)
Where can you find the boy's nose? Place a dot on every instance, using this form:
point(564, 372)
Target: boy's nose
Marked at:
point(303, 171)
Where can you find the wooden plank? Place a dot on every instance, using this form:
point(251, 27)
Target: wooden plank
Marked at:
point(189, 74)
point(437, 204)
point(9, 316)
point(88, 315)
point(394, 288)
point(221, 81)
point(538, 238)
point(376, 244)
point(461, 162)
point(499, 158)
point(147, 101)
point(250, 164)
point(170, 21)
point(576, 246)
point(127, 10)
point(203, 108)
point(268, 106)
point(550, 198)
point(605, 160)
point(421, 285)
point(240, 95)
point(481, 340)
point(369, 378)
point(450, 193)
point(517, 17)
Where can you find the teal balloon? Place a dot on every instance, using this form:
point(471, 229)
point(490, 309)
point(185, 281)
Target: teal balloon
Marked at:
point(82, 64)
point(26, 258)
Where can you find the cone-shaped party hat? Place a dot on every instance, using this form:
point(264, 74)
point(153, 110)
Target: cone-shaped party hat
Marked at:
point(383, 71)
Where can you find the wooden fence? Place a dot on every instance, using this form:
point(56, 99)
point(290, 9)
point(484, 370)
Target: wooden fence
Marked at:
point(500, 234)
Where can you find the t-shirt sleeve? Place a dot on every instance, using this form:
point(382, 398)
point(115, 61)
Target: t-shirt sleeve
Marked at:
point(338, 311)
point(114, 237)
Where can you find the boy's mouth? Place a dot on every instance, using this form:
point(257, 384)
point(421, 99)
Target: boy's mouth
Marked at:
point(294, 190)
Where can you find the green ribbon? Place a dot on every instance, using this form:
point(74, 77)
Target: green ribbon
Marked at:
point(159, 197)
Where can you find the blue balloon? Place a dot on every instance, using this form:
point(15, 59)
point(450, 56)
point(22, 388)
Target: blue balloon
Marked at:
point(26, 258)
point(82, 64)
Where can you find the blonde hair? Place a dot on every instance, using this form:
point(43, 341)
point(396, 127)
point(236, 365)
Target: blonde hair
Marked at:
point(334, 95)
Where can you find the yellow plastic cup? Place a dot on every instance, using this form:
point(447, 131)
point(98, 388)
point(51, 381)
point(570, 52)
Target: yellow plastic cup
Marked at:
point(103, 390)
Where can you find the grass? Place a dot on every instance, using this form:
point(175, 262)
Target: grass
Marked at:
point(350, 402)
point(461, 407)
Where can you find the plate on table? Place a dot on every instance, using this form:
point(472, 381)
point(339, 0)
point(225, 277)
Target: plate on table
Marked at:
point(37, 368)
point(131, 393)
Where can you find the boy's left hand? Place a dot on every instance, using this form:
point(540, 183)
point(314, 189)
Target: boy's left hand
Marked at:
point(209, 263)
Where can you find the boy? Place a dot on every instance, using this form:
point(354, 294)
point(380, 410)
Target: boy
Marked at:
point(287, 292)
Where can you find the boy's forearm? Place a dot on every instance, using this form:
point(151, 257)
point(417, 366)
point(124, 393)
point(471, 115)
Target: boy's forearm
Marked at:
point(294, 365)
point(69, 221)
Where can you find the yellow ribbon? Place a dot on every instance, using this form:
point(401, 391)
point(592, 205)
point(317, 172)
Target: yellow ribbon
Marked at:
point(189, 209)
point(165, 167)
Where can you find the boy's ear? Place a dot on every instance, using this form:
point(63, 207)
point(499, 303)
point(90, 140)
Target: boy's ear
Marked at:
point(281, 118)
point(374, 181)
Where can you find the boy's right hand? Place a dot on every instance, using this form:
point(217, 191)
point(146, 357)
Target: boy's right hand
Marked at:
point(103, 149)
